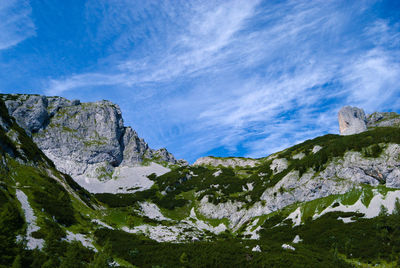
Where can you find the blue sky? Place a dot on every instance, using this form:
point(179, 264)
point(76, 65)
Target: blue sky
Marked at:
point(242, 78)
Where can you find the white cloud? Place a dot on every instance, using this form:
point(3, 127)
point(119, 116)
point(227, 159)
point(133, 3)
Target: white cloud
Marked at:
point(210, 29)
point(15, 22)
point(253, 74)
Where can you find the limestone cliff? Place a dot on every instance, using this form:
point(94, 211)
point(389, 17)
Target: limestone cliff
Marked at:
point(352, 120)
point(82, 139)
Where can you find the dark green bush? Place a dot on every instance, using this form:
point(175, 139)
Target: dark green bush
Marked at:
point(55, 201)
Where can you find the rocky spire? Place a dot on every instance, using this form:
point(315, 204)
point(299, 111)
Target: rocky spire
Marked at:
point(352, 120)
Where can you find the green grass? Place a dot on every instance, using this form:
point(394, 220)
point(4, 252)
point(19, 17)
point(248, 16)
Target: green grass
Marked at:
point(367, 195)
point(351, 197)
point(116, 216)
point(67, 129)
point(309, 209)
point(95, 142)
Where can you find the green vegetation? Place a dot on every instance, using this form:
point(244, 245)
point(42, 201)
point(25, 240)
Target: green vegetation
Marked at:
point(143, 252)
point(103, 173)
point(369, 240)
point(327, 241)
point(95, 142)
point(336, 146)
point(84, 195)
point(55, 200)
point(67, 129)
point(11, 222)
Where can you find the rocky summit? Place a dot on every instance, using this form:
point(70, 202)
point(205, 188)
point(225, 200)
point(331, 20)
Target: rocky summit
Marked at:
point(84, 140)
point(80, 189)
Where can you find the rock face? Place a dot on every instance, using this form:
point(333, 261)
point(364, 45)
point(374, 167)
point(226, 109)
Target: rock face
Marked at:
point(225, 162)
point(383, 120)
point(352, 120)
point(82, 139)
point(339, 177)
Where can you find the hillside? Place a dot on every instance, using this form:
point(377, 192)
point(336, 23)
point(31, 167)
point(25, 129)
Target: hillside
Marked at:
point(332, 201)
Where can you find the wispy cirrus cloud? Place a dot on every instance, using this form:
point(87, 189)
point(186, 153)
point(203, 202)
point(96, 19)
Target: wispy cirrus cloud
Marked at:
point(250, 77)
point(15, 22)
point(208, 31)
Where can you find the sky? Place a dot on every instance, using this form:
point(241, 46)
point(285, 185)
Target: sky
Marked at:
point(224, 78)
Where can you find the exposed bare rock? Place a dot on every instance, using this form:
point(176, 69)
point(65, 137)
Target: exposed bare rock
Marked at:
point(340, 176)
point(300, 155)
point(352, 120)
point(316, 149)
point(383, 120)
point(225, 162)
point(82, 139)
point(279, 165)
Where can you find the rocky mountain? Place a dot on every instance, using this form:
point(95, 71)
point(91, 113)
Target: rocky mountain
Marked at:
point(352, 120)
point(84, 140)
point(332, 201)
point(38, 204)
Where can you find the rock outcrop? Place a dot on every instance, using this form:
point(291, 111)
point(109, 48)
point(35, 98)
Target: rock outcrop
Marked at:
point(340, 176)
point(352, 120)
point(378, 119)
point(225, 162)
point(82, 139)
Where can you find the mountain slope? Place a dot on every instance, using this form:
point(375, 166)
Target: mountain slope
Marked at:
point(39, 204)
point(332, 201)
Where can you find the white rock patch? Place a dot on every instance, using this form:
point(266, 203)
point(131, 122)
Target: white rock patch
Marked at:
point(124, 179)
point(217, 173)
point(86, 242)
point(151, 211)
point(252, 230)
point(299, 156)
point(295, 216)
point(346, 220)
point(99, 222)
point(279, 165)
point(373, 208)
point(297, 239)
point(316, 149)
point(162, 233)
point(30, 219)
point(202, 225)
point(250, 186)
point(288, 247)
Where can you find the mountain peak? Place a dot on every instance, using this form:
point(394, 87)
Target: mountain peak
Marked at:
point(85, 140)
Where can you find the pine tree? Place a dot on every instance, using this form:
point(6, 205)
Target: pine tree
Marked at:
point(184, 258)
point(73, 258)
point(17, 262)
point(103, 257)
point(383, 211)
point(396, 210)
